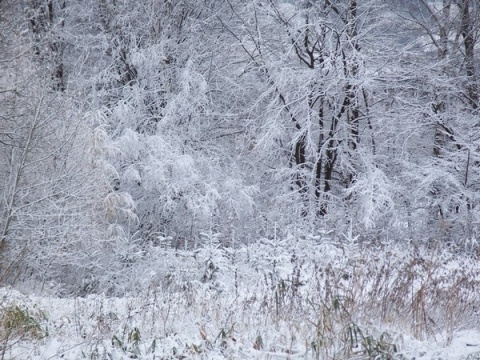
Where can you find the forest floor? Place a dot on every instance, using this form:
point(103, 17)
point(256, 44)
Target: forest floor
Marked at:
point(281, 300)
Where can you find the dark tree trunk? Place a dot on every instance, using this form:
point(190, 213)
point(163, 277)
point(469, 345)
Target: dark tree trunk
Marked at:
point(469, 44)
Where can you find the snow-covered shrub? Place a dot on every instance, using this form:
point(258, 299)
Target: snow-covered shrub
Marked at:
point(309, 299)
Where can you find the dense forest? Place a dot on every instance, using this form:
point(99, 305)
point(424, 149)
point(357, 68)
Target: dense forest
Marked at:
point(127, 125)
point(275, 152)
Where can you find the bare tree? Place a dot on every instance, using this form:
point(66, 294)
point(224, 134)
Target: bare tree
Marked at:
point(310, 59)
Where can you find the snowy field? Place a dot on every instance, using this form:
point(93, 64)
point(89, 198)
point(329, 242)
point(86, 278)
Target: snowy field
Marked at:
point(272, 300)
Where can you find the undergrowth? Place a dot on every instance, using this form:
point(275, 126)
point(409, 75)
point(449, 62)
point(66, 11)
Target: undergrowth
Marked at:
point(306, 299)
point(19, 324)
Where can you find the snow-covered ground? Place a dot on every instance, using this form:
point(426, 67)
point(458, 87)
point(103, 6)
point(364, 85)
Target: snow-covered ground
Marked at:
point(279, 300)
